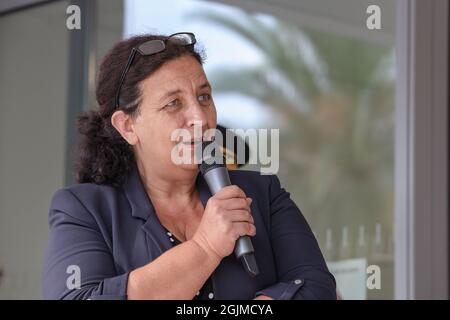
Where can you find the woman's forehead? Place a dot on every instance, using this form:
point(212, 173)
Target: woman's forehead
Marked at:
point(175, 77)
point(183, 68)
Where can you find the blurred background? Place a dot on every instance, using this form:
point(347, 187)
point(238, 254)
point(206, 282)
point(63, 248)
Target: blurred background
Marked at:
point(353, 129)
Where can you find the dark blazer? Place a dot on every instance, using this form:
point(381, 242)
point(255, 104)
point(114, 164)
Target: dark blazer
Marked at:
point(109, 231)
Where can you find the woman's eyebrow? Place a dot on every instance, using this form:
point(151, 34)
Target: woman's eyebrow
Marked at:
point(170, 93)
point(177, 91)
point(205, 85)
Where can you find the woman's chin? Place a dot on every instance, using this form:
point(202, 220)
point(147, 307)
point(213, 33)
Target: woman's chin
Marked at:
point(185, 170)
point(191, 166)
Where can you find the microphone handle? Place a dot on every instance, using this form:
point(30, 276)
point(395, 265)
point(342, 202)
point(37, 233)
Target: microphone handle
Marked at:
point(217, 179)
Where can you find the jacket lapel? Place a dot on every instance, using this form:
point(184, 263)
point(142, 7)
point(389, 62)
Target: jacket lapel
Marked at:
point(142, 208)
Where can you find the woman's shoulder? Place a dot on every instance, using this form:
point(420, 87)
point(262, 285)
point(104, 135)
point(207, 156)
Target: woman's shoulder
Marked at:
point(254, 181)
point(247, 175)
point(83, 197)
point(85, 191)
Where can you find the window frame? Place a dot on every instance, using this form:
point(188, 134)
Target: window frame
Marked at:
point(421, 150)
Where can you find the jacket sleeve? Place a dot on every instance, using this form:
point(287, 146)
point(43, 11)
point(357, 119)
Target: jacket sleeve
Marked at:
point(302, 272)
point(78, 263)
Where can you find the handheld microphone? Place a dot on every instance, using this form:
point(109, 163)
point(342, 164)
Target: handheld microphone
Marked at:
point(216, 175)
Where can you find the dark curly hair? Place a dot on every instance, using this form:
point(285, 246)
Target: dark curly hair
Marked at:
point(103, 156)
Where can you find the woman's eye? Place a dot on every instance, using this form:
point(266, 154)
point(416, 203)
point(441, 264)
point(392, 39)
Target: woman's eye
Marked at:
point(204, 97)
point(173, 103)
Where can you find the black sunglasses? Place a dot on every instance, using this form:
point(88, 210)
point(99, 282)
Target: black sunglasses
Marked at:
point(152, 47)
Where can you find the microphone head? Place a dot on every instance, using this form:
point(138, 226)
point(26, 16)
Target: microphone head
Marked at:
point(211, 157)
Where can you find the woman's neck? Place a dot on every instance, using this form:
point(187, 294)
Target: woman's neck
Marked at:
point(176, 200)
point(163, 186)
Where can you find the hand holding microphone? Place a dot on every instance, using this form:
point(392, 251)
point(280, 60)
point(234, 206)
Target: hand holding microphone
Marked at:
point(227, 221)
point(226, 218)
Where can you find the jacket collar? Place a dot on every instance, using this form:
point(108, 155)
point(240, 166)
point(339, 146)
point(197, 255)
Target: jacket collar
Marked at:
point(141, 206)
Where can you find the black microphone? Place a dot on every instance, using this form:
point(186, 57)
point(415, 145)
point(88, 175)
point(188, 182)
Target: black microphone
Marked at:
point(216, 175)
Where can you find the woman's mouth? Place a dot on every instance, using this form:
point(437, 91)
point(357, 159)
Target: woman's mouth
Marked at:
point(192, 143)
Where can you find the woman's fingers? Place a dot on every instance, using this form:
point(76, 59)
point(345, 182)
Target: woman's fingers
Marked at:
point(241, 229)
point(239, 216)
point(236, 204)
point(230, 192)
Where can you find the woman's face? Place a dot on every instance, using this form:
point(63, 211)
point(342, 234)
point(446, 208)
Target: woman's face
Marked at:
point(176, 96)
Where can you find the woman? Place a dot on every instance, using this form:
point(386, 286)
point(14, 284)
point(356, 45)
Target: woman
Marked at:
point(139, 226)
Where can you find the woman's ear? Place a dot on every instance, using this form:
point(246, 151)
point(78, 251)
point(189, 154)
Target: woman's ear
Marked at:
point(124, 125)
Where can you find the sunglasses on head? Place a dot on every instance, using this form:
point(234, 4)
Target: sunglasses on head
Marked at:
point(152, 47)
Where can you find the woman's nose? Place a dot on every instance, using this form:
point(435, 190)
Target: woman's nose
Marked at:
point(196, 114)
